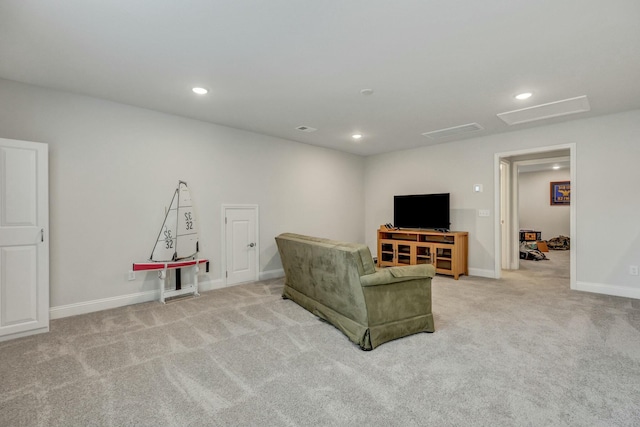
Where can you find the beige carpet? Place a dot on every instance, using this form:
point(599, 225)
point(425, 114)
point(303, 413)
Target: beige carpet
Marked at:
point(524, 350)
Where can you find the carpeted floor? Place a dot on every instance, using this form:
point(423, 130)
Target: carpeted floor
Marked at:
point(521, 351)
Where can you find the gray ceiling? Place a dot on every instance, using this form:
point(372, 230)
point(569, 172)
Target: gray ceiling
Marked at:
point(274, 65)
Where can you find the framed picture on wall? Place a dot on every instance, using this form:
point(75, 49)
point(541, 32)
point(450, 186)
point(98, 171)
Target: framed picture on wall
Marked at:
point(560, 192)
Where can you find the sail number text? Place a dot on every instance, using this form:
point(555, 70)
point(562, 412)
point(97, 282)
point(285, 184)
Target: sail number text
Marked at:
point(188, 220)
point(168, 240)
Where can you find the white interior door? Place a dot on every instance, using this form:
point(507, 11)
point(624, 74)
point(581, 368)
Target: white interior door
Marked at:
point(241, 231)
point(24, 246)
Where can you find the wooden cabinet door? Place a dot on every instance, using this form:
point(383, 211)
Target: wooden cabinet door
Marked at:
point(444, 256)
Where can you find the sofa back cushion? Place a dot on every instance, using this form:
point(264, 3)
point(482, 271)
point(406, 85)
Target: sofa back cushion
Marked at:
point(327, 271)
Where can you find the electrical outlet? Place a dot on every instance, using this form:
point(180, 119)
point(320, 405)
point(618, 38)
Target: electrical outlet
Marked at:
point(633, 270)
point(132, 275)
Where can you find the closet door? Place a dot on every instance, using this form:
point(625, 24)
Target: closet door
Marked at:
point(241, 243)
point(24, 246)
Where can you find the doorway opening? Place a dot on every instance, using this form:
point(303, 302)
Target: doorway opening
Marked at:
point(508, 166)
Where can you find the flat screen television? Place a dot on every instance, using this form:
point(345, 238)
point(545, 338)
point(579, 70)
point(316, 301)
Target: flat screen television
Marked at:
point(426, 211)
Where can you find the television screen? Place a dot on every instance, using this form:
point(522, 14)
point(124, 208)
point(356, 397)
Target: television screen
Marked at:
point(427, 211)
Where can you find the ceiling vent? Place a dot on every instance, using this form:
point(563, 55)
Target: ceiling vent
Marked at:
point(565, 107)
point(306, 129)
point(456, 130)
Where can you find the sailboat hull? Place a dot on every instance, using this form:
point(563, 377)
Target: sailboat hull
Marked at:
point(152, 265)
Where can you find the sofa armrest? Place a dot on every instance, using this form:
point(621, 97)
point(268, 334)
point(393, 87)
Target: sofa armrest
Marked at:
point(389, 275)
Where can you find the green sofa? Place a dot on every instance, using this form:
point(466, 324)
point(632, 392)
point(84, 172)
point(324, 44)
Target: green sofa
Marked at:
point(339, 283)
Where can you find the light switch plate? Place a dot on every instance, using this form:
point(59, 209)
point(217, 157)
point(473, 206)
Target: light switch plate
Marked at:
point(484, 212)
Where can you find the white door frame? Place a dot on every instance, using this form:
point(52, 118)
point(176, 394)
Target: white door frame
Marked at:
point(223, 254)
point(505, 212)
point(514, 212)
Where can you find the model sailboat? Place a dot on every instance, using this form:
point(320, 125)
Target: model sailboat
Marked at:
point(177, 245)
point(178, 237)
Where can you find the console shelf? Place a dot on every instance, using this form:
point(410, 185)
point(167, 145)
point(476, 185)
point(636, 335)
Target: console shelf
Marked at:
point(447, 251)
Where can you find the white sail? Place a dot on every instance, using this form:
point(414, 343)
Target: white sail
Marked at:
point(178, 237)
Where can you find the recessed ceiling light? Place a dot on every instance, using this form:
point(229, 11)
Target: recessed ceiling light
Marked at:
point(200, 90)
point(356, 136)
point(556, 167)
point(525, 95)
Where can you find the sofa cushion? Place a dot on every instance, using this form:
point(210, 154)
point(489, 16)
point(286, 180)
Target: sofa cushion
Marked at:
point(397, 274)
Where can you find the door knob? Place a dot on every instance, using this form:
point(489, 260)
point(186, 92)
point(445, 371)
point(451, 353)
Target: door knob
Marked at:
point(251, 245)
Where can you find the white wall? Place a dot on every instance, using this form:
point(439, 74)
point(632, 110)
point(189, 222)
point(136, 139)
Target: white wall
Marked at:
point(605, 193)
point(534, 207)
point(113, 170)
point(444, 168)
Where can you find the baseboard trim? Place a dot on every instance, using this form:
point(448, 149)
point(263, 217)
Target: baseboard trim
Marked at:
point(614, 290)
point(482, 273)
point(119, 301)
point(271, 274)
point(140, 297)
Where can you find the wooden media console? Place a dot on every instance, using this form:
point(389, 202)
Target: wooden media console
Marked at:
point(447, 251)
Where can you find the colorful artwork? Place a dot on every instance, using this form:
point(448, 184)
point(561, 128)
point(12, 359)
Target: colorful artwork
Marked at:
point(561, 193)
